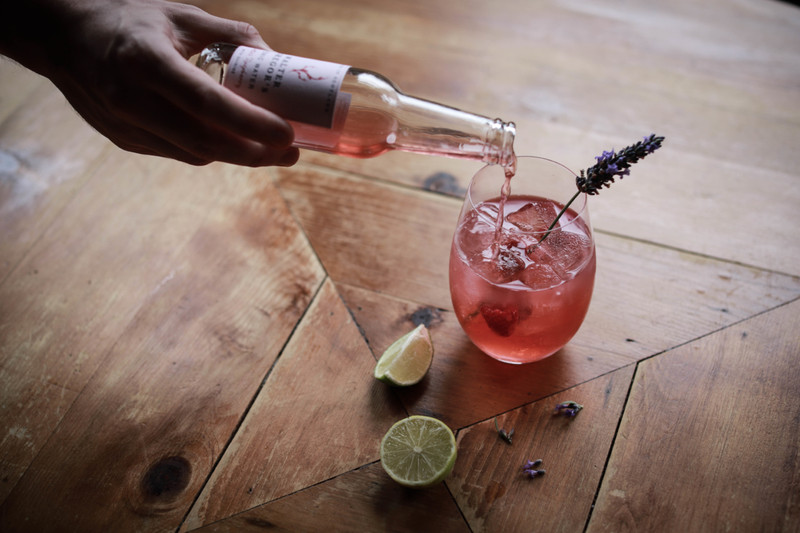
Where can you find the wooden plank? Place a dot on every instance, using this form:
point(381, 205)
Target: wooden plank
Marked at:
point(708, 440)
point(18, 84)
point(383, 238)
point(135, 334)
point(109, 275)
point(396, 241)
point(651, 298)
point(738, 212)
point(496, 495)
point(647, 300)
point(464, 385)
point(319, 415)
point(47, 153)
point(725, 94)
point(535, 62)
point(365, 498)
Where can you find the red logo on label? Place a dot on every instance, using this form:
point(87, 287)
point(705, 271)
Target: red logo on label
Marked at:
point(304, 75)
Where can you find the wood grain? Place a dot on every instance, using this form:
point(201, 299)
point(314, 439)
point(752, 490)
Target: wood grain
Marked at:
point(647, 300)
point(716, 79)
point(319, 415)
point(47, 153)
point(18, 87)
point(158, 322)
point(709, 440)
point(388, 239)
point(123, 363)
point(489, 485)
point(363, 498)
point(464, 385)
point(361, 230)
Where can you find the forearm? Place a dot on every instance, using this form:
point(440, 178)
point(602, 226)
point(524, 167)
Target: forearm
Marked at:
point(33, 32)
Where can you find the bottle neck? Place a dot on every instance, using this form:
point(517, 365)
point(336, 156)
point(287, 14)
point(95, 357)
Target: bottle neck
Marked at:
point(430, 128)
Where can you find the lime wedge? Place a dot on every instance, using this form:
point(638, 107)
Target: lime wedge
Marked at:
point(407, 360)
point(418, 451)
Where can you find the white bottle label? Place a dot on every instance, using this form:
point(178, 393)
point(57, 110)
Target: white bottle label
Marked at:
point(296, 88)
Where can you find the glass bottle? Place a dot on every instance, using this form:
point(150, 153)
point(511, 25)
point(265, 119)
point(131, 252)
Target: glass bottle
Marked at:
point(349, 111)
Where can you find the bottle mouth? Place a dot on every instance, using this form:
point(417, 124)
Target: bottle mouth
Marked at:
point(500, 144)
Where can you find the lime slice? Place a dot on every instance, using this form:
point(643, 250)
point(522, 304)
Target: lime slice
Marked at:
point(407, 360)
point(418, 451)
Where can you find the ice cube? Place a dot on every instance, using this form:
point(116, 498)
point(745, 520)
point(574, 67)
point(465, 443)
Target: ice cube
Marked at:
point(540, 276)
point(475, 236)
point(530, 217)
point(562, 251)
point(474, 246)
point(569, 251)
point(503, 268)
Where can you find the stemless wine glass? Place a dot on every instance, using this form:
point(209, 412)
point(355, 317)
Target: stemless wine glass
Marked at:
point(521, 289)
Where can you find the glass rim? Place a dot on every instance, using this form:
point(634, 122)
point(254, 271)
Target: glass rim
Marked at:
point(578, 210)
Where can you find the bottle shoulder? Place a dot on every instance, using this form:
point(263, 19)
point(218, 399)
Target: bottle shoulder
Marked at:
point(368, 80)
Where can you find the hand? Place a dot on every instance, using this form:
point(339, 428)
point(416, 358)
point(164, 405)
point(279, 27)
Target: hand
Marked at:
point(123, 66)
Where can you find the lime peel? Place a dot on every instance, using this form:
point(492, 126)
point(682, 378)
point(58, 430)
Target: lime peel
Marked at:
point(418, 451)
point(407, 360)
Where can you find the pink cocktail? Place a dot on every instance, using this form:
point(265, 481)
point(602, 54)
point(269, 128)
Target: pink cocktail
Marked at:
point(522, 290)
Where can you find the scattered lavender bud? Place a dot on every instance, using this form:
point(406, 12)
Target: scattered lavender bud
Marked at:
point(506, 436)
point(570, 409)
point(531, 469)
point(532, 464)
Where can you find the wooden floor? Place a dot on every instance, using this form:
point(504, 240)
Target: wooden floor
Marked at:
point(191, 348)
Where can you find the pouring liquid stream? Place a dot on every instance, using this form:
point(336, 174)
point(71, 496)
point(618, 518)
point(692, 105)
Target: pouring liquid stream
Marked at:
point(505, 191)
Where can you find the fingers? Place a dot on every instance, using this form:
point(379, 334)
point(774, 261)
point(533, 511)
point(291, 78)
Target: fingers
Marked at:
point(162, 93)
point(147, 143)
point(170, 131)
point(194, 92)
point(198, 29)
point(151, 125)
point(123, 134)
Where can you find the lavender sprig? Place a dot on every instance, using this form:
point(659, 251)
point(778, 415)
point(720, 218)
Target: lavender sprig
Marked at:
point(602, 174)
point(611, 164)
point(532, 470)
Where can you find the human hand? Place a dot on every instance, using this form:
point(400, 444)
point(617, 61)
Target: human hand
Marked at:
point(123, 66)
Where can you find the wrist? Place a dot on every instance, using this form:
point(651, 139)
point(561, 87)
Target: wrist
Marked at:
point(46, 35)
point(31, 33)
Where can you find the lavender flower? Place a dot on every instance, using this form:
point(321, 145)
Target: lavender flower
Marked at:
point(611, 165)
point(569, 409)
point(532, 470)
